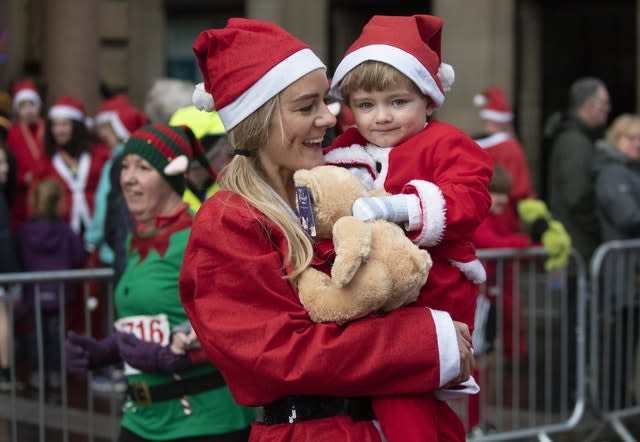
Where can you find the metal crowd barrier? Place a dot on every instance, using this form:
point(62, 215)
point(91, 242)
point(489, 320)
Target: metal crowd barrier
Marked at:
point(532, 381)
point(614, 367)
point(37, 412)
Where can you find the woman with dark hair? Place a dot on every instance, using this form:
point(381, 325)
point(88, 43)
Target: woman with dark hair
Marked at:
point(73, 160)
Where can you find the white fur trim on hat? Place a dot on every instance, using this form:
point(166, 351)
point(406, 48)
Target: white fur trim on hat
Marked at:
point(447, 76)
point(202, 99)
point(433, 213)
point(479, 100)
point(104, 117)
point(497, 116)
point(403, 61)
point(121, 131)
point(177, 166)
point(26, 95)
point(473, 270)
point(269, 85)
point(64, 111)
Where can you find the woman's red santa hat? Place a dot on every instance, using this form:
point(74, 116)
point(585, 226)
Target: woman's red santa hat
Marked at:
point(411, 44)
point(67, 107)
point(494, 104)
point(245, 64)
point(125, 121)
point(25, 90)
point(109, 106)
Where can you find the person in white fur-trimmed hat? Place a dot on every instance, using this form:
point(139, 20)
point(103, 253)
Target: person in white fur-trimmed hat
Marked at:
point(393, 79)
point(248, 247)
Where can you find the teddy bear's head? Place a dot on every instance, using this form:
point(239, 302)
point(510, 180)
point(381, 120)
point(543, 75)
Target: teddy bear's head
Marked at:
point(333, 190)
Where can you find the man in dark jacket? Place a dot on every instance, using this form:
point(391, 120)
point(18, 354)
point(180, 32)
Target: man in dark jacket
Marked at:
point(571, 194)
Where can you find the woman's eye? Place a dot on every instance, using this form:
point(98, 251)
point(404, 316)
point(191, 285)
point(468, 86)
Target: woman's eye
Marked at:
point(306, 108)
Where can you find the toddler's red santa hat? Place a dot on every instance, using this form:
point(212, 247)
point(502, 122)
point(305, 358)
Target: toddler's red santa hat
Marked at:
point(494, 104)
point(411, 44)
point(126, 120)
point(245, 64)
point(67, 107)
point(109, 106)
point(25, 90)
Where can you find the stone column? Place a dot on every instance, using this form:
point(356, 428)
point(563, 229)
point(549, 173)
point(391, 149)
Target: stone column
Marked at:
point(306, 19)
point(70, 59)
point(13, 20)
point(479, 44)
point(147, 49)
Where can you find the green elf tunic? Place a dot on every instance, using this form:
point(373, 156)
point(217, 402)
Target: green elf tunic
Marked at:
point(148, 305)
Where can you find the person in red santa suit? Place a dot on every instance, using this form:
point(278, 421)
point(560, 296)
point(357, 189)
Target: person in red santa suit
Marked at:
point(494, 232)
point(500, 142)
point(25, 139)
point(73, 161)
point(314, 381)
point(392, 78)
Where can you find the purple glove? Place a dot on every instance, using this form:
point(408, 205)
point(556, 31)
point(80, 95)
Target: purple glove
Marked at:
point(85, 353)
point(149, 356)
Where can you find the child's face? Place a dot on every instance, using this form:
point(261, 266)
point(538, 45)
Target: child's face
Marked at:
point(4, 167)
point(61, 130)
point(106, 133)
point(28, 112)
point(498, 201)
point(387, 118)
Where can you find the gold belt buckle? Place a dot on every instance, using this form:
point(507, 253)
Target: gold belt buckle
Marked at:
point(140, 393)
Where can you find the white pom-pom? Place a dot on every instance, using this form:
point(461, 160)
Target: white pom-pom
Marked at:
point(177, 166)
point(479, 100)
point(334, 108)
point(202, 99)
point(447, 76)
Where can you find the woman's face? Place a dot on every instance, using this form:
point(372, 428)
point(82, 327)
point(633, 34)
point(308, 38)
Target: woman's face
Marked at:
point(629, 142)
point(4, 166)
point(297, 128)
point(61, 130)
point(146, 192)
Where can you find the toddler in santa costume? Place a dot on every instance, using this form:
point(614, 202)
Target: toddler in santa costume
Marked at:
point(393, 79)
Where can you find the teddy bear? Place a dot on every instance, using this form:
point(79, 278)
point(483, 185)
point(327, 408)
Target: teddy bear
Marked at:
point(376, 267)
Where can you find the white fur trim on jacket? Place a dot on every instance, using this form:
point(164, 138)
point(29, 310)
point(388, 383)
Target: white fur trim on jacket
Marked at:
point(433, 212)
point(448, 352)
point(473, 270)
point(493, 140)
point(354, 155)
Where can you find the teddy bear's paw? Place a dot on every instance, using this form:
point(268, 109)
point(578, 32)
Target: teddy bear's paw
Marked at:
point(352, 243)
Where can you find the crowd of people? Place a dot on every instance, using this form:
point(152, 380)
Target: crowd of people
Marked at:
point(209, 323)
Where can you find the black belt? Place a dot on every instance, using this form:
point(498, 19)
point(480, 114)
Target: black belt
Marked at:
point(145, 394)
point(293, 409)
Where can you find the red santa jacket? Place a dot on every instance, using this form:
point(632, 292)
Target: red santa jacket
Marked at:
point(507, 153)
point(26, 143)
point(449, 173)
point(252, 326)
point(79, 187)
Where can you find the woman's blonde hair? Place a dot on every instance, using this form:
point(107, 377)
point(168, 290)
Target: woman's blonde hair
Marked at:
point(620, 126)
point(45, 199)
point(244, 176)
point(373, 76)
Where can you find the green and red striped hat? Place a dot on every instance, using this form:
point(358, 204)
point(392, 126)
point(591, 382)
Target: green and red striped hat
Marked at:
point(169, 149)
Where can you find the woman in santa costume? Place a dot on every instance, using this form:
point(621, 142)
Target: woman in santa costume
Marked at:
point(73, 160)
point(25, 139)
point(313, 381)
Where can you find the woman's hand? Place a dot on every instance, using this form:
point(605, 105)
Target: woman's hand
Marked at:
point(466, 354)
point(183, 342)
